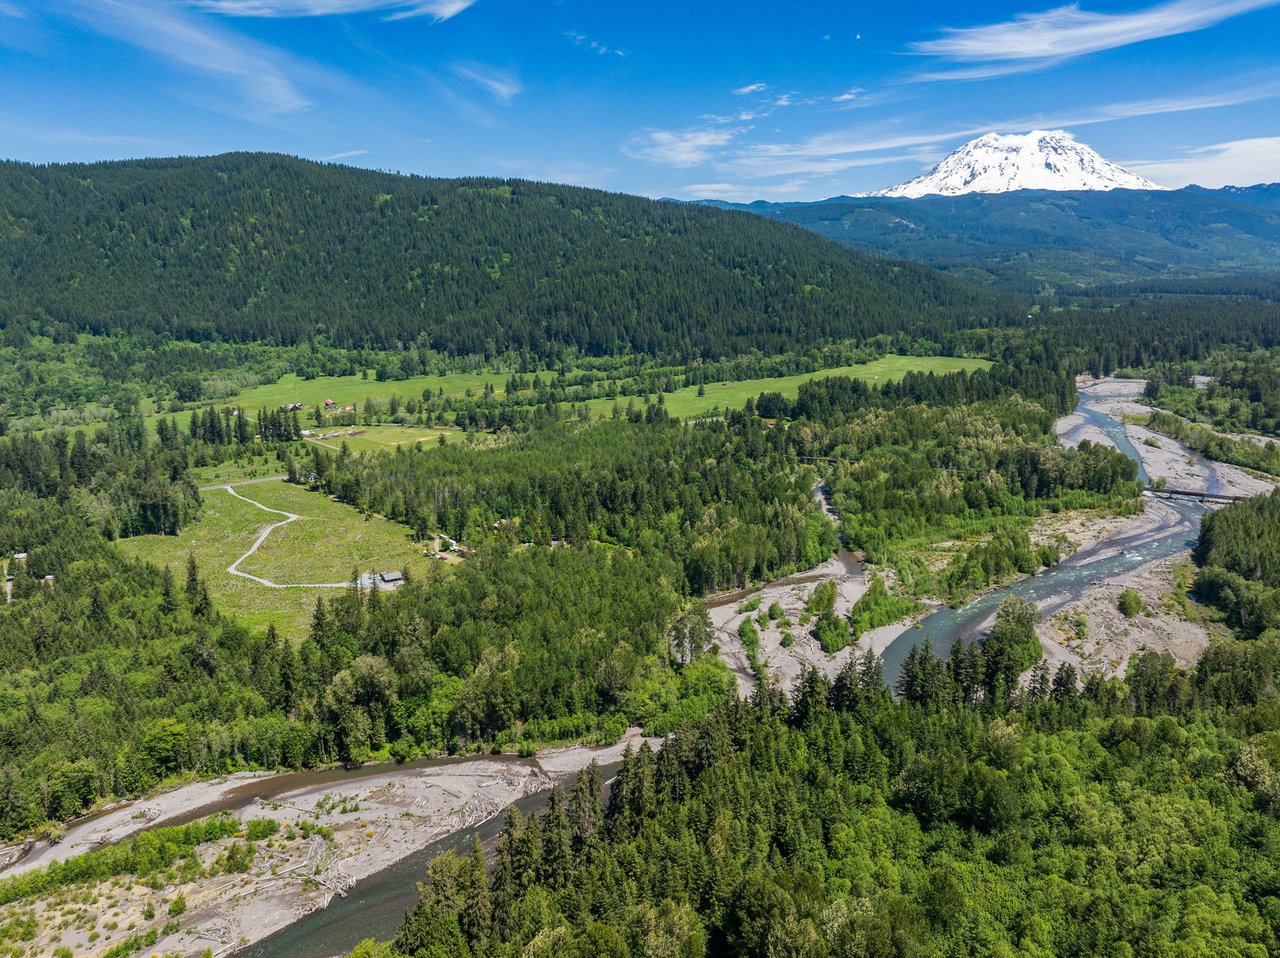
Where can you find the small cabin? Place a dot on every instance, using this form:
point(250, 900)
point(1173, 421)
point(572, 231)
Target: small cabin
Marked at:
point(392, 578)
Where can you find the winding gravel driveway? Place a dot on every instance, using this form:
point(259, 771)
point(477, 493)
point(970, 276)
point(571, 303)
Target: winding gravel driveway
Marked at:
point(234, 568)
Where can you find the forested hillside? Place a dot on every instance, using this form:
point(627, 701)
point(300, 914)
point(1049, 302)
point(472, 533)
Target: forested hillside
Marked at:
point(260, 247)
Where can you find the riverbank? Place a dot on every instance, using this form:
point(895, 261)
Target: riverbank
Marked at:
point(1162, 457)
point(123, 819)
point(358, 824)
point(790, 593)
point(1094, 636)
point(1090, 632)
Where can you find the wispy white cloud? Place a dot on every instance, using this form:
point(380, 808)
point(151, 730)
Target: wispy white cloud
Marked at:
point(751, 88)
point(1156, 106)
point(262, 75)
point(40, 134)
point(504, 86)
point(392, 9)
point(584, 41)
point(679, 147)
point(11, 10)
point(848, 95)
point(1032, 41)
point(1235, 163)
point(344, 155)
point(833, 152)
point(743, 193)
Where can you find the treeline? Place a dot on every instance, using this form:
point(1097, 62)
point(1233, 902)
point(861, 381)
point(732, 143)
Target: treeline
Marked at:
point(1236, 452)
point(725, 500)
point(127, 482)
point(1239, 556)
point(1242, 393)
point(124, 482)
point(1121, 817)
point(834, 399)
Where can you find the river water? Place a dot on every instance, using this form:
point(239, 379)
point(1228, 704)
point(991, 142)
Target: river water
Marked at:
point(1070, 579)
point(376, 906)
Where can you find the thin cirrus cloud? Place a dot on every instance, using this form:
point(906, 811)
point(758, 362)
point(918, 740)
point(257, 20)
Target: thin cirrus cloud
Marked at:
point(679, 147)
point(738, 193)
point(836, 152)
point(438, 10)
point(262, 76)
point(344, 155)
point(1033, 41)
point(503, 86)
point(1235, 163)
point(584, 41)
point(751, 88)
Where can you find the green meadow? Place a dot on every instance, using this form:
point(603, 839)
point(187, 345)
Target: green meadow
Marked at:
point(324, 545)
point(382, 438)
point(687, 404)
point(683, 403)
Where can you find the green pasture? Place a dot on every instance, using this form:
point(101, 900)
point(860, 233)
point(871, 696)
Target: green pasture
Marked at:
point(381, 438)
point(324, 545)
point(687, 404)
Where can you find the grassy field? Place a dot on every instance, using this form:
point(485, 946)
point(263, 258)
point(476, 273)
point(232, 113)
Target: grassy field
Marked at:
point(684, 403)
point(382, 438)
point(347, 391)
point(254, 467)
point(324, 545)
point(687, 404)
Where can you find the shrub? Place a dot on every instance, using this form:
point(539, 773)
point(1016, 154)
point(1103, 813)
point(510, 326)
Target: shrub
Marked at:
point(1130, 603)
point(832, 633)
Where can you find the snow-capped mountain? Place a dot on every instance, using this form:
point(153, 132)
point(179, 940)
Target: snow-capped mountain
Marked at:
point(1039, 160)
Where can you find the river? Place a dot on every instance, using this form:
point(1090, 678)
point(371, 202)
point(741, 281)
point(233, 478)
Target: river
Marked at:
point(1070, 579)
point(375, 907)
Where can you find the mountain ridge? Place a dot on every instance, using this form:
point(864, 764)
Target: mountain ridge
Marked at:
point(250, 247)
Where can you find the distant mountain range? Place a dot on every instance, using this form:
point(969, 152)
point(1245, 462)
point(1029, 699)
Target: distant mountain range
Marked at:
point(1040, 210)
point(1030, 240)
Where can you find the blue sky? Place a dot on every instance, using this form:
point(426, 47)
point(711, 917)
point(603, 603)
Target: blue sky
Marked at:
point(690, 99)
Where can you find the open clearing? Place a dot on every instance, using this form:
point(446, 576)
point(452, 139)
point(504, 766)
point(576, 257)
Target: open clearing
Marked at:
point(324, 545)
point(351, 390)
point(687, 404)
point(382, 438)
point(683, 403)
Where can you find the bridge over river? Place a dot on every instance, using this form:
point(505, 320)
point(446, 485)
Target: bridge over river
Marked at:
point(1198, 495)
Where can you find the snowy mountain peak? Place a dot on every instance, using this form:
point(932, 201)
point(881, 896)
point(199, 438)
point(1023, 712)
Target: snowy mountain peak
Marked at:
point(1039, 160)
